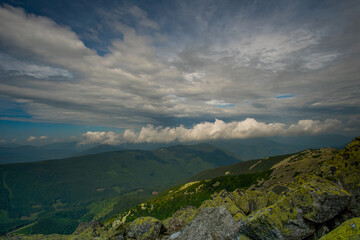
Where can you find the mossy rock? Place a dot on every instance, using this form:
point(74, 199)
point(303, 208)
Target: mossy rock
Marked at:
point(180, 218)
point(250, 201)
point(145, 228)
point(241, 202)
point(349, 230)
point(211, 224)
point(319, 199)
point(310, 200)
point(91, 229)
point(344, 167)
point(242, 237)
point(227, 200)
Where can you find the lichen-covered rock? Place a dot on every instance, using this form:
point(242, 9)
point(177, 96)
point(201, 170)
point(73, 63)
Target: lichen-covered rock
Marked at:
point(277, 223)
point(242, 237)
point(180, 218)
point(312, 200)
point(91, 229)
point(250, 201)
point(145, 228)
point(349, 230)
point(344, 169)
point(116, 224)
point(210, 224)
point(320, 199)
point(227, 200)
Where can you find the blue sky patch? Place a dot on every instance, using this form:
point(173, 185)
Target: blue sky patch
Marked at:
point(285, 96)
point(226, 105)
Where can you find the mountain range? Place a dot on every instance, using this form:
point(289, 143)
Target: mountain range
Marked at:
point(246, 149)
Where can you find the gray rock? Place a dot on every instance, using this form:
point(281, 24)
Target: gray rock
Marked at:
point(242, 237)
point(116, 224)
point(296, 214)
point(93, 229)
point(327, 205)
point(145, 228)
point(174, 236)
point(210, 224)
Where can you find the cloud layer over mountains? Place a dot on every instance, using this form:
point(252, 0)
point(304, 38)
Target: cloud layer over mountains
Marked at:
point(140, 64)
point(210, 131)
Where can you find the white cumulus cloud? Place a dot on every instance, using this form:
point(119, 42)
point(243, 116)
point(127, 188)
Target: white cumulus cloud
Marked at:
point(205, 131)
point(32, 138)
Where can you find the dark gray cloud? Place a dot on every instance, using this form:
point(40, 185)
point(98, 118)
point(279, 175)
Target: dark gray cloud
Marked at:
point(226, 60)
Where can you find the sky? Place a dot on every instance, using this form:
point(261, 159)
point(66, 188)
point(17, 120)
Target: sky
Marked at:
point(177, 71)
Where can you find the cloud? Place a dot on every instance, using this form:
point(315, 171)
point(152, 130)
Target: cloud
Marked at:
point(195, 76)
point(40, 36)
point(143, 19)
point(317, 61)
point(32, 138)
point(207, 131)
point(101, 137)
point(220, 60)
point(314, 127)
point(220, 103)
point(17, 67)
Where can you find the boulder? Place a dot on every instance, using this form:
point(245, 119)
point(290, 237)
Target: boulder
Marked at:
point(145, 228)
point(319, 199)
point(310, 201)
point(227, 200)
point(242, 237)
point(210, 224)
point(90, 229)
point(180, 218)
point(349, 230)
point(250, 201)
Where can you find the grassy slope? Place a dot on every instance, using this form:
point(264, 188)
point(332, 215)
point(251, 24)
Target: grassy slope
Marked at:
point(201, 186)
point(252, 166)
point(190, 194)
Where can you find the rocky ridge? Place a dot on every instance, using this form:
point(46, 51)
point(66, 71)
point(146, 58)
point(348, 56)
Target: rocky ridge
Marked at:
point(311, 195)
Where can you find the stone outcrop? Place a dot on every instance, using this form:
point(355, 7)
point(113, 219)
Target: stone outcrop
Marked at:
point(180, 219)
point(145, 228)
point(91, 229)
point(294, 216)
point(211, 224)
point(349, 230)
point(227, 200)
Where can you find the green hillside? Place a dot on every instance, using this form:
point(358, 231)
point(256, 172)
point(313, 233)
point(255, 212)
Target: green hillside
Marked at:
point(251, 166)
point(203, 185)
point(62, 192)
point(190, 194)
point(313, 194)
